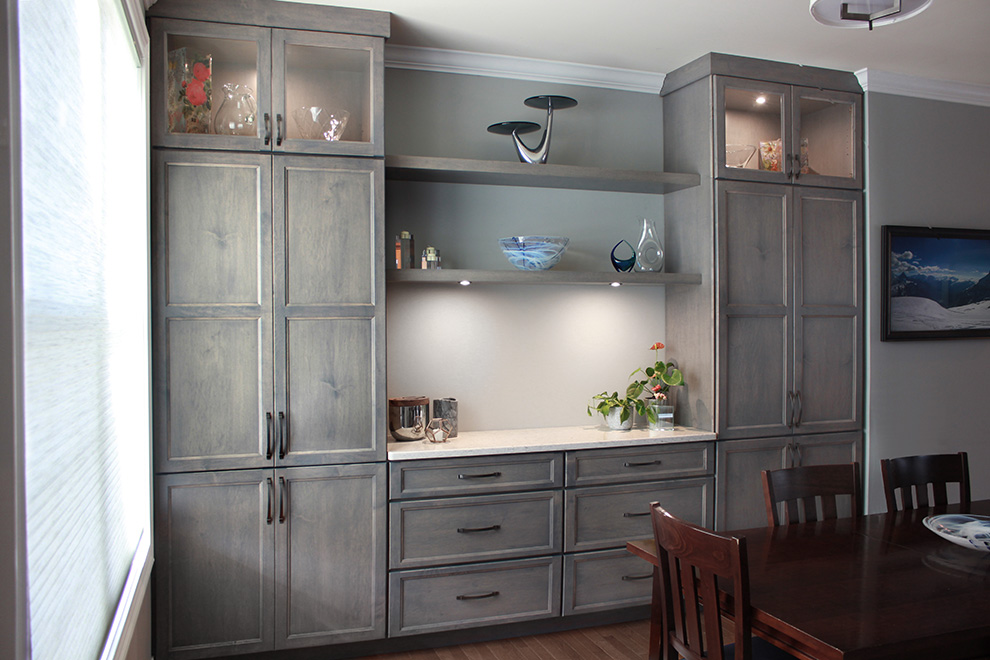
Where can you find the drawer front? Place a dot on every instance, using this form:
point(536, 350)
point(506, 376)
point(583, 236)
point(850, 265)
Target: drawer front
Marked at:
point(434, 599)
point(607, 516)
point(605, 580)
point(482, 474)
point(470, 529)
point(594, 467)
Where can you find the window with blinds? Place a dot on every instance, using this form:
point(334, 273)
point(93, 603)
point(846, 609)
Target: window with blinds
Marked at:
point(85, 309)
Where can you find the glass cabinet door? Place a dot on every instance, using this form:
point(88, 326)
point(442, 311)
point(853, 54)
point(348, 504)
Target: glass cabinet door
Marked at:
point(828, 138)
point(211, 85)
point(751, 133)
point(327, 93)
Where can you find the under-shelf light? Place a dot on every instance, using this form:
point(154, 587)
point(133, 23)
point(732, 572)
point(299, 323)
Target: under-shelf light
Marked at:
point(465, 282)
point(761, 99)
point(616, 284)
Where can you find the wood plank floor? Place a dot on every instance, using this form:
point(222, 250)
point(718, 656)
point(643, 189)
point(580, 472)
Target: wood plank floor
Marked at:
point(620, 641)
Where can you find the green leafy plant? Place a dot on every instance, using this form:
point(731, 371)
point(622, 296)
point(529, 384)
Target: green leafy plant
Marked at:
point(657, 381)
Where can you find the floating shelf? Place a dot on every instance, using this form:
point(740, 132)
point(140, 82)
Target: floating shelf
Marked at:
point(456, 276)
point(505, 173)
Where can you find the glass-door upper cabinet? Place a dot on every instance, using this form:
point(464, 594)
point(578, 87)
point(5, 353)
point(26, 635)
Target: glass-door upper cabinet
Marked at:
point(213, 83)
point(828, 135)
point(327, 91)
point(751, 125)
point(787, 134)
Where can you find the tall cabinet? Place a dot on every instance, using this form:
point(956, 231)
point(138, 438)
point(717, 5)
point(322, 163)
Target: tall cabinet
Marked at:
point(776, 230)
point(268, 329)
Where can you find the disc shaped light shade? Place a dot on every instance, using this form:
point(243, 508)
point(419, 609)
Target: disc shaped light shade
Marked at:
point(829, 12)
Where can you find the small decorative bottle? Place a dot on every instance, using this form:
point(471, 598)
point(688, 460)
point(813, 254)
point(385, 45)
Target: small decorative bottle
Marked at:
point(404, 250)
point(649, 252)
point(431, 258)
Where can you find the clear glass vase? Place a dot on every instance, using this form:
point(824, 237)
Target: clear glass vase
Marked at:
point(237, 113)
point(649, 251)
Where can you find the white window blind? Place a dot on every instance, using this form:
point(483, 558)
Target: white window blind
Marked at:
point(85, 247)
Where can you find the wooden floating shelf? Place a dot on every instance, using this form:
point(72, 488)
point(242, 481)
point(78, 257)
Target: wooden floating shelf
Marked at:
point(505, 173)
point(456, 276)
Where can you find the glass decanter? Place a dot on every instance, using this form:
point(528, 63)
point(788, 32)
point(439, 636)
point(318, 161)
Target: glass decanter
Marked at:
point(649, 252)
point(237, 112)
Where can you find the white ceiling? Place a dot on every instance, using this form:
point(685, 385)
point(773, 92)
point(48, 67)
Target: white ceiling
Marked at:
point(950, 41)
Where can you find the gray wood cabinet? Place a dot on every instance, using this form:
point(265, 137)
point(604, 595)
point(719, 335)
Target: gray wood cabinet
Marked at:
point(739, 488)
point(254, 560)
point(268, 310)
point(790, 309)
point(331, 58)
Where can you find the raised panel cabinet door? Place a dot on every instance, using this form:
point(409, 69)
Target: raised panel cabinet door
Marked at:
point(755, 316)
point(739, 502)
point(828, 310)
point(332, 571)
point(214, 562)
point(212, 307)
point(827, 448)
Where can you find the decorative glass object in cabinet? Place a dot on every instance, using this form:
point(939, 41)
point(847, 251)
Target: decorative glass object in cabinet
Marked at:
point(237, 113)
point(752, 118)
point(189, 91)
point(828, 130)
point(533, 252)
point(316, 123)
point(649, 251)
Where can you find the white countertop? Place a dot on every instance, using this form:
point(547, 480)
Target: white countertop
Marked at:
point(524, 441)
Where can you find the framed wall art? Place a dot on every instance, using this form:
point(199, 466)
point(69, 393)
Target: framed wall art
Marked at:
point(935, 283)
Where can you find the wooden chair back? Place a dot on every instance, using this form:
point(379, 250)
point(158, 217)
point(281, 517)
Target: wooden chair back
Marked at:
point(911, 476)
point(691, 559)
point(803, 489)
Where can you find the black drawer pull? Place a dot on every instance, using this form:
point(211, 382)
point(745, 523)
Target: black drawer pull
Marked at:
point(479, 476)
point(627, 578)
point(490, 594)
point(635, 515)
point(647, 463)
point(471, 530)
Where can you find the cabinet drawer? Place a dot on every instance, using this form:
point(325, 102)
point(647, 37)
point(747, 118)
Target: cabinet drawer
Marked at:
point(482, 474)
point(612, 466)
point(605, 580)
point(608, 516)
point(470, 529)
point(428, 600)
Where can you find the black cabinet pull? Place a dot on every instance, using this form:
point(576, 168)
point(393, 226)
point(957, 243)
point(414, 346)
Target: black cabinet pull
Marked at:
point(471, 530)
point(282, 442)
point(268, 129)
point(797, 167)
point(800, 407)
point(278, 124)
point(643, 576)
point(490, 594)
point(656, 462)
point(480, 476)
point(271, 487)
point(635, 515)
point(271, 430)
point(281, 499)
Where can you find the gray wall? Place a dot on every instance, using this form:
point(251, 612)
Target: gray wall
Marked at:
point(928, 164)
point(518, 356)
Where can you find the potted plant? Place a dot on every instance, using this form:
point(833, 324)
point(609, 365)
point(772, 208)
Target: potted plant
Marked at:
point(617, 410)
point(659, 378)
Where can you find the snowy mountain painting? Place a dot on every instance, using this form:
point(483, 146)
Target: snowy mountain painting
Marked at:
point(939, 280)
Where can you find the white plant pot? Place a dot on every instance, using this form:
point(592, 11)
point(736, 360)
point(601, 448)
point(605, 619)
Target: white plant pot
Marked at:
point(613, 419)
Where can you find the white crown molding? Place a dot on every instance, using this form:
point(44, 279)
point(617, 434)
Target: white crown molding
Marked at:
point(923, 88)
point(520, 68)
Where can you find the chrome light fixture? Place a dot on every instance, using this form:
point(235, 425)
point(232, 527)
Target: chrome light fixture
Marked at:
point(865, 13)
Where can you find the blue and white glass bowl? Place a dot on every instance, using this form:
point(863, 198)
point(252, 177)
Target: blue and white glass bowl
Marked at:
point(962, 529)
point(533, 252)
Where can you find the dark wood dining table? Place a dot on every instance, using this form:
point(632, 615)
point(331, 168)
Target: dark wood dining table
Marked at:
point(881, 586)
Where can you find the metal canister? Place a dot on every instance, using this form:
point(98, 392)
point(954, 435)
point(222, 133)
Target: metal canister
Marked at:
point(408, 417)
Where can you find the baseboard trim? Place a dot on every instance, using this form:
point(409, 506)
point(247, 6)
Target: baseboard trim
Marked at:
point(129, 606)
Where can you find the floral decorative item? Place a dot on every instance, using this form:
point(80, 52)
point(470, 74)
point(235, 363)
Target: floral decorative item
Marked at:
point(770, 155)
point(659, 378)
point(190, 91)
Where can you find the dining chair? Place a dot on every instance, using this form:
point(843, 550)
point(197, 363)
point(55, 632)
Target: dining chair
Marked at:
point(912, 476)
point(691, 559)
point(802, 489)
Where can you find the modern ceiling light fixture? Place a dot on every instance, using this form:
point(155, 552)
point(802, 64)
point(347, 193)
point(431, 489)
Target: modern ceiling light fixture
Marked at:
point(865, 13)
